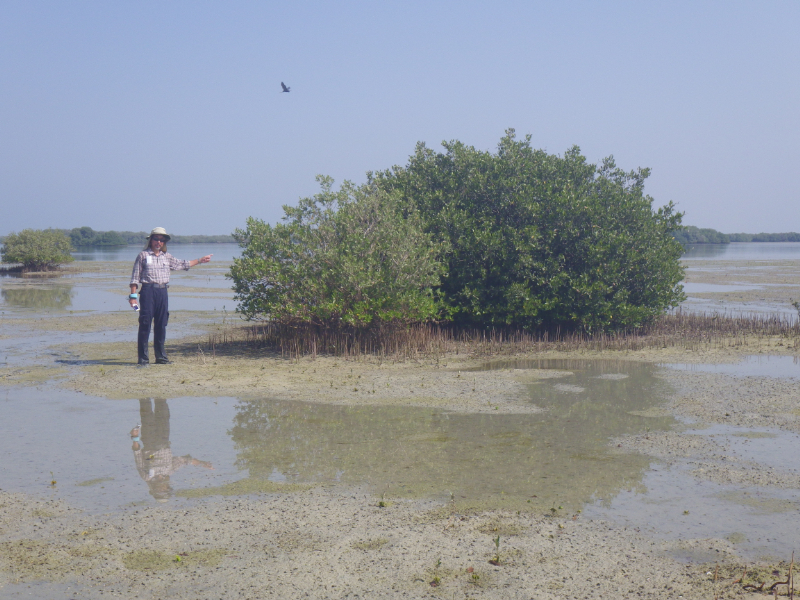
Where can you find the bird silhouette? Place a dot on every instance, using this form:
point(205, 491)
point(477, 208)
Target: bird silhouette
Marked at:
point(285, 89)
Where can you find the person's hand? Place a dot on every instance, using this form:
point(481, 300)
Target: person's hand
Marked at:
point(132, 301)
point(206, 258)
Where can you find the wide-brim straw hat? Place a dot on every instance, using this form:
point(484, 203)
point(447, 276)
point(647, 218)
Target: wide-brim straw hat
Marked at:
point(159, 231)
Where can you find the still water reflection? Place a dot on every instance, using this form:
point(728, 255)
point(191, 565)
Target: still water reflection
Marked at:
point(38, 297)
point(152, 451)
point(559, 456)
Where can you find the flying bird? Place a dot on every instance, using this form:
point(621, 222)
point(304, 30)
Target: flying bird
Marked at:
point(285, 89)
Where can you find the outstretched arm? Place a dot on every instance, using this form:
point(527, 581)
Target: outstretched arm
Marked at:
point(196, 261)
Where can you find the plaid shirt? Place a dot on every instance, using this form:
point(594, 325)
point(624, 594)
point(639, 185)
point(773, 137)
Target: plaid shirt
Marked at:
point(149, 268)
point(161, 462)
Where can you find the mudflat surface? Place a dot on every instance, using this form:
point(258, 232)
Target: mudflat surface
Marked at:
point(742, 286)
point(556, 475)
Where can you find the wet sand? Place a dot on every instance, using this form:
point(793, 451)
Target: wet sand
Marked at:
point(335, 543)
point(755, 286)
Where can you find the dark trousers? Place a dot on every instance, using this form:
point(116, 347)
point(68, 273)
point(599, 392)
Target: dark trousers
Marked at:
point(153, 309)
point(155, 423)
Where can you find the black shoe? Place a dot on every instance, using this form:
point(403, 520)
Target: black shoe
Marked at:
point(144, 363)
point(163, 361)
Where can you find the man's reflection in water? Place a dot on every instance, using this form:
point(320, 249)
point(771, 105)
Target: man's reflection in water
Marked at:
point(151, 449)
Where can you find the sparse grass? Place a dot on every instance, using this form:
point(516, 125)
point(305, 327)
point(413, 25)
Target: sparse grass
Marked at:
point(245, 486)
point(498, 527)
point(762, 579)
point(370, 545)
point(39, 560)
point(159, 560)
point(29, 376)
point(687, 331)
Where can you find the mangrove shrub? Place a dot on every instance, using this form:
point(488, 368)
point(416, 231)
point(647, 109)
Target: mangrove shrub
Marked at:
point(354, 257)
point(538, 240)
point(37, 249)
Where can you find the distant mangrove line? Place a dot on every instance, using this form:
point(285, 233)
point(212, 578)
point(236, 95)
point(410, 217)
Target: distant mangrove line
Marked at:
point(86, 236)
point(696, 235)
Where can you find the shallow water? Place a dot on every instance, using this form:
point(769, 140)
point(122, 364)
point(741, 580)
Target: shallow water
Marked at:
point(749, 366)
point(558, 457)
point(737, 309)
point(203, 288)
point(41, 590)
point(704, 288)
point(85, 442)
point(742, 279)
point(673, 504)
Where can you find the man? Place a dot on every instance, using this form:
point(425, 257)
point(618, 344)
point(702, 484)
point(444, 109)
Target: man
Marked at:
point(151, 269)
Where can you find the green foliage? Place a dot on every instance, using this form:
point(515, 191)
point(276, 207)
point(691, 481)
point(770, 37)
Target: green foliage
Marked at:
point(86, 236)
point(539, 240)
point(354, 257)
point(37, 249)
point(695, 235)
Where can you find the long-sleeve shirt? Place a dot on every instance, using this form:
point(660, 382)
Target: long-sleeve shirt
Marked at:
point(159, 462)
point(149, 268)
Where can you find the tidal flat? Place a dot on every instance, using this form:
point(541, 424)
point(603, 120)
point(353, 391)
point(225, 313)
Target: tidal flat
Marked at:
point(547, 475)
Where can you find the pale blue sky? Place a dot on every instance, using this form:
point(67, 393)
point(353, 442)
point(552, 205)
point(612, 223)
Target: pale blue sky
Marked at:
point(131, 115)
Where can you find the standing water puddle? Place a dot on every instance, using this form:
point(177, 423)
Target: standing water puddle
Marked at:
point(558, 457)
point(673, 504)
point(749, 366)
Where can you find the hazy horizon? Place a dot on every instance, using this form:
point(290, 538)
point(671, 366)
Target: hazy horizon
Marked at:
point(190, 234)
point(128, 116)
